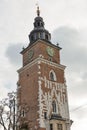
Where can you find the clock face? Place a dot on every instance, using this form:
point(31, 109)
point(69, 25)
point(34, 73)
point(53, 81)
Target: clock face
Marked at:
point(30, 54)
point(50, 51)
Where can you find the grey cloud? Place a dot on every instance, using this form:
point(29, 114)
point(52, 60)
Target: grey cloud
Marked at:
point(73, 53)
point(12, 53)
point(84, 75)
point(65, 35)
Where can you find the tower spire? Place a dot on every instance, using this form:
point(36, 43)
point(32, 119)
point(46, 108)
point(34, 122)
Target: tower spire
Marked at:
point(39, 31)
point(38, 10)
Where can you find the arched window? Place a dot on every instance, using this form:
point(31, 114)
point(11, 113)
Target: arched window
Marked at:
point(38, 24)
point(38, 35)
point(46, 36)
point(52, 75)
point(32, 38)
point(54, 106)
point(42, 24)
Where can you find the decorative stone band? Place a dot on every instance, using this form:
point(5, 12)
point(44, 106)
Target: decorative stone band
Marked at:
point(41, 60)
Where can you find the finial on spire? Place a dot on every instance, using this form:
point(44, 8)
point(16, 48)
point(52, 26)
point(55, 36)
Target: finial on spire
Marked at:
point(38, 11)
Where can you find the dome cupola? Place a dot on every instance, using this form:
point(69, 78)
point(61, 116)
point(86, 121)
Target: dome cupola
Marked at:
point(39, 32)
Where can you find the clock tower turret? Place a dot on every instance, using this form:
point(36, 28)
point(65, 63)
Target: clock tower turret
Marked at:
point(39, 32)
point(42, 91)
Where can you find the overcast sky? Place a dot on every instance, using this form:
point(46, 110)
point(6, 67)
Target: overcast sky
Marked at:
point(66, 20)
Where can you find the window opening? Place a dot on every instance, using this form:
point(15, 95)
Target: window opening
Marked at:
point(51, 126)
point(54, 106)
point(38, 24)
point(42, 24)
point(23, 113)
point(52, 76)
point(60, 127)
point(38, 35)
point(46, 36)
point(32, 38)
point(45, 115)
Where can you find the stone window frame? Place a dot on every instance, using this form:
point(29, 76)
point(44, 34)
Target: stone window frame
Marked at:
point(59, 126)
point(52, 75)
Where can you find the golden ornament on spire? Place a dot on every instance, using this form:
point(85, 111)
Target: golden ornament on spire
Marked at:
point(38, 11)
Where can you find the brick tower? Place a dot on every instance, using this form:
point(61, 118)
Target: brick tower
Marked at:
point(42, 90)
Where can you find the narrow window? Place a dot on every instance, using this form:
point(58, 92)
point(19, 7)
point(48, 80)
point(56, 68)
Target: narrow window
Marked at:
point(42, 24)
point(38, 24)
point(52, 76)
point(45, 115)
point(59, 126)
point(46, 36)
point(54, 106)
point(23, 113)
point(41, 35)
point(51, 126)
point(38, 35)
point(32, 38)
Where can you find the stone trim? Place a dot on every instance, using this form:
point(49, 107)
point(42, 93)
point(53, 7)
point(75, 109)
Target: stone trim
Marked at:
point(41, 60)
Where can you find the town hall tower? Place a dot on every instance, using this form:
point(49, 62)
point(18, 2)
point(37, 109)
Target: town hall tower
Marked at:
point(42, 91)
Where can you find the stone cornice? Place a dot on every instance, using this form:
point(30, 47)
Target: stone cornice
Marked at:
point(43, 42)
point(40, 60)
